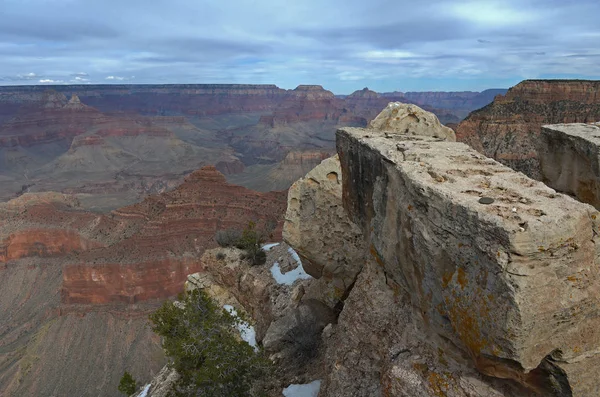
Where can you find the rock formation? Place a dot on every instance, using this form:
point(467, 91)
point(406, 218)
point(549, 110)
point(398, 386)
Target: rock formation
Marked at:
point(317, 196)
point(509, 128)
point(462, 254)
point(411, 120)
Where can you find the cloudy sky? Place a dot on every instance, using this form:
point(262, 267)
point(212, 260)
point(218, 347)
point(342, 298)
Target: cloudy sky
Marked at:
point(343, 45)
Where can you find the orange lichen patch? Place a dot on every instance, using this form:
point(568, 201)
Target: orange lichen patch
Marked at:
point(440, 384)
point(410, 207)
point(376, 256)
point(446, 278)
point(466, 315)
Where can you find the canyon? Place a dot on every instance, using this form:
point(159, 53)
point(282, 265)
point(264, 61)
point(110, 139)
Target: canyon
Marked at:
point(112, 145)
point(77, 286)
point(446, 272)
point(112, 196)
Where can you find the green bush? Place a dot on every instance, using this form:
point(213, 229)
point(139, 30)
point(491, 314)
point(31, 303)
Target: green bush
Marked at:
point(127, 385)
point(203, 344)
point(250, 240)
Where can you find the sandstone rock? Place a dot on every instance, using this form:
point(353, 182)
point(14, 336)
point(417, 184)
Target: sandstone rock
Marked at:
point(379, 348)
point(318, 227)
point(570, 160)
point(411, 120)
point(480, 275)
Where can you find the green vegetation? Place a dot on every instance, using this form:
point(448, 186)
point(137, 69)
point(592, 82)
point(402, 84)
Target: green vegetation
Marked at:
point(203, 344)
point(127, 385)
point(250, 240)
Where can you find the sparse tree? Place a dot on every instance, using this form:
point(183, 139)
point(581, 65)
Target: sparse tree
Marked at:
point(203, 344)
point(127, 385)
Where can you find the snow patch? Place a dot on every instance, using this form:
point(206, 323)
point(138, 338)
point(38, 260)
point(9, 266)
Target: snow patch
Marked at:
point(295, 255)
point(268, 247)
point(247, 332)
point(144, 392)
point(290, 277)
point(308, 390)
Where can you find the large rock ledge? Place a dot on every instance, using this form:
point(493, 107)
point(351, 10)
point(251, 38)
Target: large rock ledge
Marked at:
point(513, 283)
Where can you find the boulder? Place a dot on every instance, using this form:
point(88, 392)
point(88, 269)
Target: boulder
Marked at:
point(411, 120)
point(569, 156)
point(318, 228)
point(497, 263)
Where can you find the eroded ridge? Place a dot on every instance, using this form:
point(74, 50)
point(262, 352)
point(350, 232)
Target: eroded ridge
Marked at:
point(500, 264)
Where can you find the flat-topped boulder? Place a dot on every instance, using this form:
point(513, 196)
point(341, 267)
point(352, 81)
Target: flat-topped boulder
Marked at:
point(569, 160)
point(500, 264)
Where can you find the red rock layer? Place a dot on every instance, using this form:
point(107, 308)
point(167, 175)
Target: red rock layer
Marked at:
point(163, 237)
point(51, 119)
point(139, 252)
point(308, 103)
point(126, 283)
point(508, 128)
point(43, 243)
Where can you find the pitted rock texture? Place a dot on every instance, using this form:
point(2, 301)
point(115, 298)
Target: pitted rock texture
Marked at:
point(411, 120)
point(508, 129)
point(570, 160)
point(480, 275)
point(318, 228)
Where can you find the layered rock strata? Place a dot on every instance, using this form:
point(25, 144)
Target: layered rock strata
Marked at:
point(76, 286)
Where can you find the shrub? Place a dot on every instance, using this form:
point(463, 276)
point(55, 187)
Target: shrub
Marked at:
point(127, 385)
point(250, 240)
point(200, 339)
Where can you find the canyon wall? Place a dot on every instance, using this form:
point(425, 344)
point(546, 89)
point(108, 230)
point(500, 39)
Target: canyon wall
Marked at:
point(76, 287)
point(508, 129)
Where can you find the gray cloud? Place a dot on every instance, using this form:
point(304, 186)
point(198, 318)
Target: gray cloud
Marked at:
point(341, 44)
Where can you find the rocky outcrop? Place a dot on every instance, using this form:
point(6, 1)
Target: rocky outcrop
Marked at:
point(482, 284)
point(461, 254)
point(508, 129)
point(318, 228)
point(411, 120)
point(569, 160)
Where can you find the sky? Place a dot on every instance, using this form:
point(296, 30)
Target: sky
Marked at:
point(343, 45)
